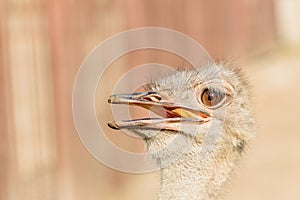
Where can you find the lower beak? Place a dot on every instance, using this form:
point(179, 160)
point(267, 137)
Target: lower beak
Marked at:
point(172, 115)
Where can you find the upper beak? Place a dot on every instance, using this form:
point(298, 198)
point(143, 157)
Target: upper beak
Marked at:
point(172, 114)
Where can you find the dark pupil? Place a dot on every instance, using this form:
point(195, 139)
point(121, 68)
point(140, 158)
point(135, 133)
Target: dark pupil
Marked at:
point(210, 96)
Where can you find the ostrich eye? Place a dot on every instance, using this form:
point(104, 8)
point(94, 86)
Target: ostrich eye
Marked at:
point(212, 97)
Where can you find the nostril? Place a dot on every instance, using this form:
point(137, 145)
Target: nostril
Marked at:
point(153, 98)
point(158, 98)
point(147, 98)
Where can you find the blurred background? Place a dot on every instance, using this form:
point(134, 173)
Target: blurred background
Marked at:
point(43, 43)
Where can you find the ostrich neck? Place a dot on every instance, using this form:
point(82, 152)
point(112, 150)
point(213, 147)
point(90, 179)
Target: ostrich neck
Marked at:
point(192, 178)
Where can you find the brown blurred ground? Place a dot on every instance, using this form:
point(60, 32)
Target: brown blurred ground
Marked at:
point(42, 44)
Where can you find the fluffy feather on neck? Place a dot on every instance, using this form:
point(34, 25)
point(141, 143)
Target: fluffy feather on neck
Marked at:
point(185, 174)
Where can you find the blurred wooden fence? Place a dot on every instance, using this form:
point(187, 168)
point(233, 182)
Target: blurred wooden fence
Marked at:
point(42, 44)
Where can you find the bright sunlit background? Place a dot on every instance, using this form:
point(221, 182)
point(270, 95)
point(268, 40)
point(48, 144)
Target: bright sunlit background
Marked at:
point(43, 43)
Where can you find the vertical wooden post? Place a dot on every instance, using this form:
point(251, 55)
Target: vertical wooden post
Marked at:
point(27, 118)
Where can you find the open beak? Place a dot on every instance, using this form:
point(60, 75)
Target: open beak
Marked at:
point(172, 114)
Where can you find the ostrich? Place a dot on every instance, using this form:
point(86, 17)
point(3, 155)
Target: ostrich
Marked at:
point(204, 126)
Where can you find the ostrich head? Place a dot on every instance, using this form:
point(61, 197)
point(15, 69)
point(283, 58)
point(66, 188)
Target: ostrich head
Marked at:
point(205, 111)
